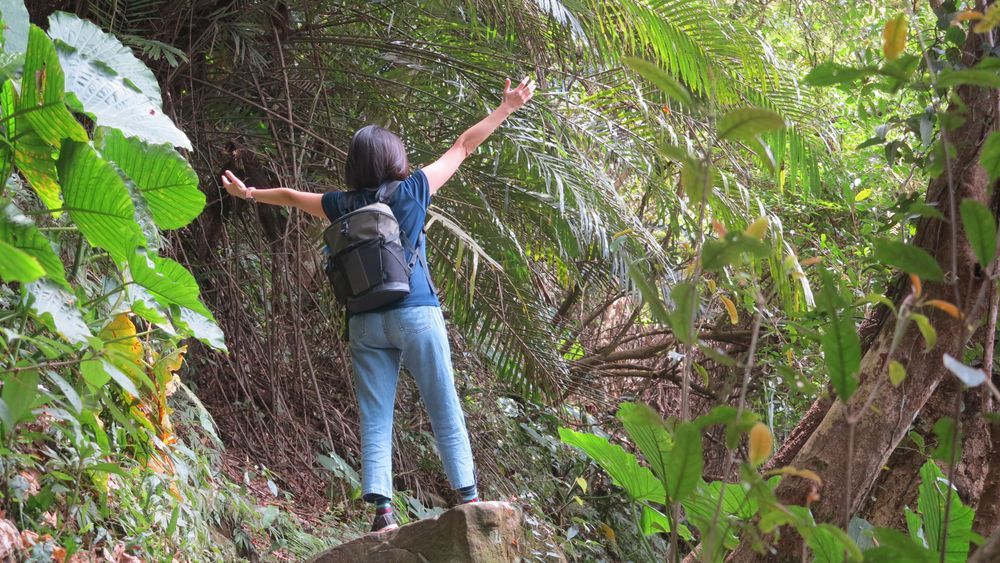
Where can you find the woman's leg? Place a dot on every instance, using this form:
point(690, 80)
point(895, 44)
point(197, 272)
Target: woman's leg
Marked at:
point(376, 370)
point(420, 333)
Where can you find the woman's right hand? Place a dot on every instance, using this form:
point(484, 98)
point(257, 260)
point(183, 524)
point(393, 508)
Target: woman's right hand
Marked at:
point(235, 186)
point(514, 98)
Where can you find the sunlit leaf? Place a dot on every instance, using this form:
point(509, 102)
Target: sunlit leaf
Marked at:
point(894, 36)
point(734, 316)
point(761, 443)
point(58, 307)
point(746, 123)
point(682, 315)
point(168, 183)
point(685, 463)
point(840, 342)
point(897, 373)
point(98, 201)
point(42, 95)
point(111, 84)
point(17, 265)
point(660, 78)
point(20, 232)
point(645, 427)
point(928, 331)
point(625, 471)
point(909, 258)
point(989, 156)
point(981, 228)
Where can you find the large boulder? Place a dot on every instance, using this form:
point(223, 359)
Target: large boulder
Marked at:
point(482, 532)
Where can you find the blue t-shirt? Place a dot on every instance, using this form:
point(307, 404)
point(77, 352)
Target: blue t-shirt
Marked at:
point(409, 206)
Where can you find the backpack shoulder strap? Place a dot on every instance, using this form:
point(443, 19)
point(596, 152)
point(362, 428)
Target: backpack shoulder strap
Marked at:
point(387, 191)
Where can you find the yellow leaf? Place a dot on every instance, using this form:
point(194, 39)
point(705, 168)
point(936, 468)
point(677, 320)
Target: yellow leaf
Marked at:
point(734, 316)
point(917, 287)
point(122, 349)
point(578, 500)
point(790, 355)
point(811, 261)
point(711, 284)
point(796, 472)
point(897, 373)
point(946, 307)
point(989, 20)
point(863, 195)
point(761, 443)
point(608, 532)
point(758, 228)
point(582, 483)
point(968, 15)
point(894, 37)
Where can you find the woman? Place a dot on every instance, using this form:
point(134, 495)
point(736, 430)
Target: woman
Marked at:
point(410, 330)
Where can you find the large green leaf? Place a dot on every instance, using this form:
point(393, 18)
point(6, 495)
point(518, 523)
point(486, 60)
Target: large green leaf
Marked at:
point(660, 78)
point(682, 316)
point(989, 156)
point(638, 481)
point(169, 282)
point(167, 182)
point(14, 17)
point(650, 293)
point(17, 265)
point(684, 465)
point(202, 327)
point(19, 397)
point(840, 342)
point(113, 86)
point(830, 544)
point(20, 232)
point(909, 258)
point(746, 123)
point(57, 307)
point(42, 95)
point(931, 504)
point(645, 427)
point(981, 228)
point(98, 201)
point(32, 155)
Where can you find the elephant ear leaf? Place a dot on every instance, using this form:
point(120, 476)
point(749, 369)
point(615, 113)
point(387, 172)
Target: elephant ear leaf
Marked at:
point(110, 83)
point(98, 201)
point(43, 101)
point(166, 180)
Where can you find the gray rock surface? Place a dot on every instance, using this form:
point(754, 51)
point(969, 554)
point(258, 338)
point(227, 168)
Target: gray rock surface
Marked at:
point(483, 532)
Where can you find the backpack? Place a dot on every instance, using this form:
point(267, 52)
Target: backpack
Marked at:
point(366, 263)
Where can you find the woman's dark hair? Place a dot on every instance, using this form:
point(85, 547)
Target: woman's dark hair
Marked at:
point(376, 155)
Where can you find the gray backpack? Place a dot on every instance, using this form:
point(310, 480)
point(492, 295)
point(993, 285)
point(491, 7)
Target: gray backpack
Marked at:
point(366, 263)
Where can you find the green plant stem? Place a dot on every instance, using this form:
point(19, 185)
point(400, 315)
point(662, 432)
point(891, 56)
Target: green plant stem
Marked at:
point(636, 515)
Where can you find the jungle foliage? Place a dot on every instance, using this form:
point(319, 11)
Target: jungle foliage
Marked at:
point(734, 260)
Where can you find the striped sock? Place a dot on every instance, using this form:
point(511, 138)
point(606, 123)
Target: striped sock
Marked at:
point(469, 494)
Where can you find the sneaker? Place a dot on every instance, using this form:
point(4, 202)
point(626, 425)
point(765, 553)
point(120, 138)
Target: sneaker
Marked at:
point(385, 522)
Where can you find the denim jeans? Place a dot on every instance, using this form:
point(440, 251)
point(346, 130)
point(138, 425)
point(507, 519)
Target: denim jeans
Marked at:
point(417, 336)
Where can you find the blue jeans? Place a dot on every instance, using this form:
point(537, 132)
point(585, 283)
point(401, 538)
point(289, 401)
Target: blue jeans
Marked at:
point(417, 336)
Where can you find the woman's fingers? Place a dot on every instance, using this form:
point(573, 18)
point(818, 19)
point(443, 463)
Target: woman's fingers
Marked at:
point(506, 87)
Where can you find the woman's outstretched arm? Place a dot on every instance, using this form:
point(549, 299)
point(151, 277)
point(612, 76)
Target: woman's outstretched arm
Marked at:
point(438, 172)
point(309, 202)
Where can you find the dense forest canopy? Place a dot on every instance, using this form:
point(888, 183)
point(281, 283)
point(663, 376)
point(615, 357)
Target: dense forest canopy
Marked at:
point(725, 290)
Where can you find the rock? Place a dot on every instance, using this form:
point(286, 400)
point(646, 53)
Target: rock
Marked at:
point(483, 532)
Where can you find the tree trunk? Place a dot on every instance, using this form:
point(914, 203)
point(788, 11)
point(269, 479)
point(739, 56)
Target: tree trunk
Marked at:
point(865, 448)
point(987, 520)
point(896, 486)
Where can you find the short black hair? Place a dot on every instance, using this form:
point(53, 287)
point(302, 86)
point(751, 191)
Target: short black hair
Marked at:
point(376, 156)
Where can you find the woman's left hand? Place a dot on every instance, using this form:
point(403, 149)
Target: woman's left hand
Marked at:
point(235, 186)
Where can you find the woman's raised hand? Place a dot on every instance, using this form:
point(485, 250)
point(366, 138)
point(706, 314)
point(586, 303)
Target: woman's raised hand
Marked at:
point(235, 186)
point(514, 98)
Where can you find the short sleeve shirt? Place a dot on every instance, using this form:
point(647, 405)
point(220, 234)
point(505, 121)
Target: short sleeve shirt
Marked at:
point(409, 206)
